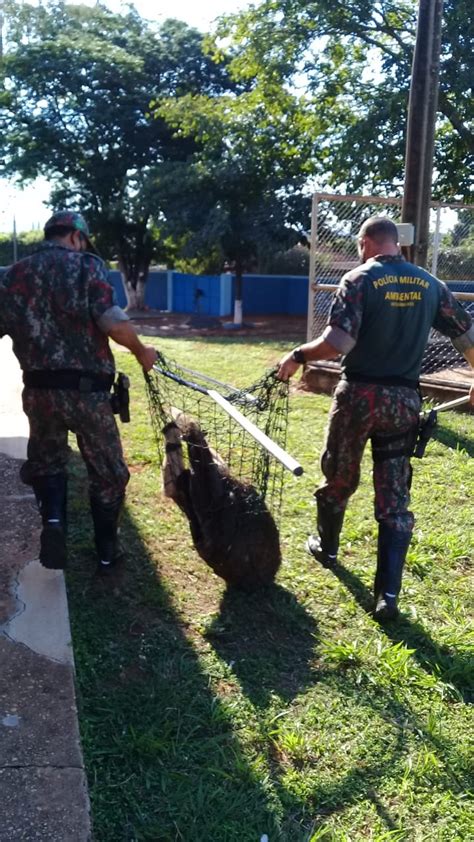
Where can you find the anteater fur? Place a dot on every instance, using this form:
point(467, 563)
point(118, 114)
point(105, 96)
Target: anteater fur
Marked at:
point(231, 528)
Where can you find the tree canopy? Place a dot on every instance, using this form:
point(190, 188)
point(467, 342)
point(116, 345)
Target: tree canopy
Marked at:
point(26, 243)
point(75, 107)
point(240, 192)
point(353, 61)
point(179, 145)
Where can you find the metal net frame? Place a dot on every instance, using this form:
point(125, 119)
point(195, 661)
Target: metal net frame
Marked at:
point(336, 220)
point(178, 394)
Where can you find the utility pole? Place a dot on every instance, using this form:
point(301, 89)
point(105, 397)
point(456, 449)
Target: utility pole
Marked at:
point(1, 28)
point(422, 108)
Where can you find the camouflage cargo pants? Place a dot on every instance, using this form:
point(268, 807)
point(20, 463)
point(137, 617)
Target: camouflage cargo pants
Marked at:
point(359, 412)
point(52, 413)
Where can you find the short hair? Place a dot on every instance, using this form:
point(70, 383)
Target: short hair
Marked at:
point(58, 231)
point(379, 229)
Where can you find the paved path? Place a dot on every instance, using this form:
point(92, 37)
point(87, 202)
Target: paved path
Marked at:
point(42, 779)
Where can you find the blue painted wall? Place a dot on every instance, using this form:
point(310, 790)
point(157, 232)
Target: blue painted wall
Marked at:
point(196, 294)
point(214, 295)
point(277, 294)
point(155, 290)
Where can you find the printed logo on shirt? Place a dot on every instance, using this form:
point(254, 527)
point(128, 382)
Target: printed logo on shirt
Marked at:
point(403, 279)
point(402, 298)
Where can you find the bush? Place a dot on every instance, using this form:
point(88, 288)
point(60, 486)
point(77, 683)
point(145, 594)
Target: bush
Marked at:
point(27, 243)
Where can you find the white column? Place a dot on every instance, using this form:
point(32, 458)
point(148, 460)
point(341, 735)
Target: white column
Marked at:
point(169, 290)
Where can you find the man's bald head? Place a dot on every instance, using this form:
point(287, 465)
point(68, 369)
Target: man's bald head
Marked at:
point(377, 235)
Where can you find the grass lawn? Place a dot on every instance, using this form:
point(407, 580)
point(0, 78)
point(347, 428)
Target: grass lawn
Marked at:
point(215, 717)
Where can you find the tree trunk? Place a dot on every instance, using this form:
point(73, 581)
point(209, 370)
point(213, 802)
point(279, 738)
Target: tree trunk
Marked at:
point(135, 294)
point(134, 251)
point(134, 287)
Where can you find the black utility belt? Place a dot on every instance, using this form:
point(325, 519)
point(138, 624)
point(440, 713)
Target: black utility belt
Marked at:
point(380, 381)
point(64, 378)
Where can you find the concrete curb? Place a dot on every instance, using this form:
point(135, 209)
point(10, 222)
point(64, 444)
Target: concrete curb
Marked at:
point(42, 776)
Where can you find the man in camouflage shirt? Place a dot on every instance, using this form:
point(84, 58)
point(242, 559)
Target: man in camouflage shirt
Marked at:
point(60, 310)
point(380, 322)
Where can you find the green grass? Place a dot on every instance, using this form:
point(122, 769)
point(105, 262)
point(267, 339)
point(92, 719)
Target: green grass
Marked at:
point(214, 717)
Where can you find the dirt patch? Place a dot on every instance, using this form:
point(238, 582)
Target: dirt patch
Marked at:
point(185, 324)
point(19, 530)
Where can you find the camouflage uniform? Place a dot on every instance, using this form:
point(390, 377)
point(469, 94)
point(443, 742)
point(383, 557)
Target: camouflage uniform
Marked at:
point(380, 321)
point(377, 397)
point(359, 412)
point(57, 306)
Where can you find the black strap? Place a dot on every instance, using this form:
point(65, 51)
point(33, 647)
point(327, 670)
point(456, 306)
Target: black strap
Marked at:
point(383, 455)
point(65, 378)
point(381, 442)
point(379, 381)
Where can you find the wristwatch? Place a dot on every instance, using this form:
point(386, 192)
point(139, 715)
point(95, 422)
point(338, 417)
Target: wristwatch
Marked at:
point(298, 356)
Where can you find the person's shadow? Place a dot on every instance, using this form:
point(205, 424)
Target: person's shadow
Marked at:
point(456, 441)
point(269, 634)
point(451, 667)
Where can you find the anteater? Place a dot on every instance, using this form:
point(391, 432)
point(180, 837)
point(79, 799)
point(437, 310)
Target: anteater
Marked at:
point(231, 527)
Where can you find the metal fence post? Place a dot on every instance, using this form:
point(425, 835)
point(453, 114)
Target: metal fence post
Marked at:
point(312, 268)
point(436, 242)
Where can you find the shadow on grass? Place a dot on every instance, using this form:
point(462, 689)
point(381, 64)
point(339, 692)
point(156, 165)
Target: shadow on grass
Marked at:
point(381, 763)
point(456, 441)
point(268, 634)
point(381, 759)
point(162, 760)
point(165, 754)
point(453, 668)
point(229, 338)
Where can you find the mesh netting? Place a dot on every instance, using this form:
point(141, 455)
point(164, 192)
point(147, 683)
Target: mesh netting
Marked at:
point(181, 396)
point(336, 221)
point(440, 356)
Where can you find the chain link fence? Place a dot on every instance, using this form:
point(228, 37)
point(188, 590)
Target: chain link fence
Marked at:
point(335, 223)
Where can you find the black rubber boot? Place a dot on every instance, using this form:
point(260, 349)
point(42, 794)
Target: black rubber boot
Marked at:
point(325, 545)
point(51, 496)
point(106, 520)
point(391, 554)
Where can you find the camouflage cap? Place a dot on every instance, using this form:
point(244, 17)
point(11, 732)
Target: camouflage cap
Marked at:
point(69, 219)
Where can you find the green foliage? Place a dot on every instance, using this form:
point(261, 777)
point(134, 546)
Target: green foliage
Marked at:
point(294, 261)
point(240, 191)
point(456, 254)
point(354, 61)
point(77, 87)
point(27, 242)
point(456, 263)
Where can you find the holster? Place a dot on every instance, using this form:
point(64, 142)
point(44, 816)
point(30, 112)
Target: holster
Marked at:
point(120, 398)
point(425, 432)
point(411, 443)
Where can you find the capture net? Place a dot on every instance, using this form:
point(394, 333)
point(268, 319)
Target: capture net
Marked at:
point(178, 394)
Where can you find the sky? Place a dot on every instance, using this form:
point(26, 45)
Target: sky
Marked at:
point(27, 206)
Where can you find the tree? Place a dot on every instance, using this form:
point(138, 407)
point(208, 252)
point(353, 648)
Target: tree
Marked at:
point(26, 243)
point(456, 254)
point(354, 61)
point(241, 189)
point(75, 103)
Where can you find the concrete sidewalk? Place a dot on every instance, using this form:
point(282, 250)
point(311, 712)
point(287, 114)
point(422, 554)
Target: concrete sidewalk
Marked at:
point(42, 778)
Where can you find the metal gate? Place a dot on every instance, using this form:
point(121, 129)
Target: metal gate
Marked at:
point(336, 219)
